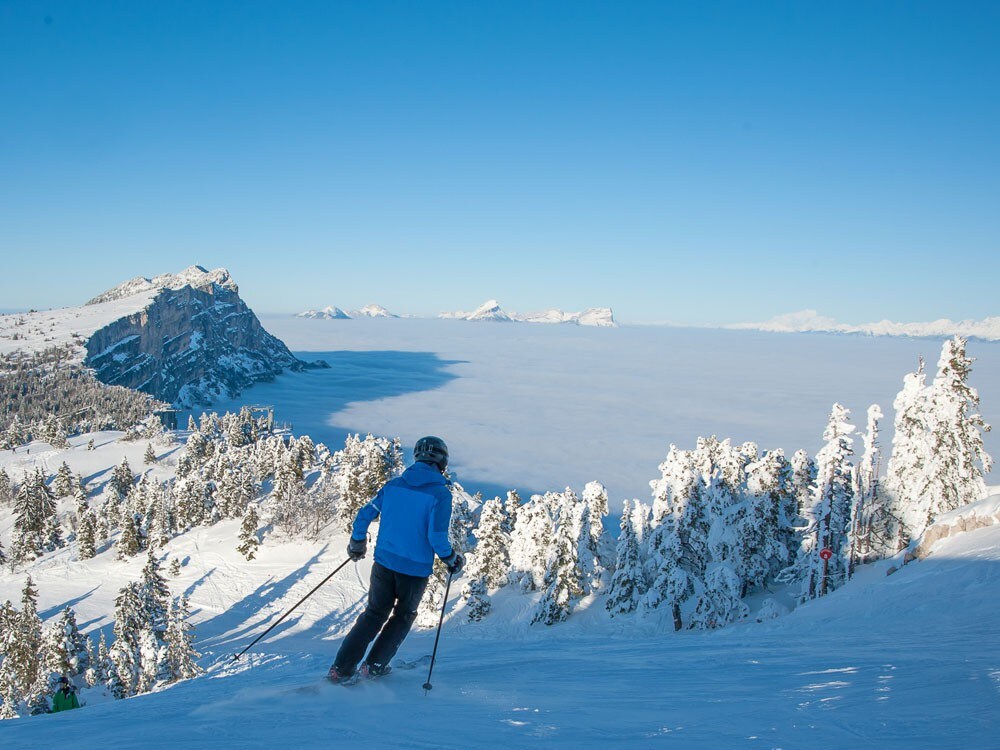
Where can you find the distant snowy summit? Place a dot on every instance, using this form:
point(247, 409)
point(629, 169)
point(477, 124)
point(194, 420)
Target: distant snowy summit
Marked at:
point(194, 276)
point(810, 321)
point(335, 313)
point(491, 310)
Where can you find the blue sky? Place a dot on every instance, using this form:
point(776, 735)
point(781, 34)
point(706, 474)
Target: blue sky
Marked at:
point(690, 162)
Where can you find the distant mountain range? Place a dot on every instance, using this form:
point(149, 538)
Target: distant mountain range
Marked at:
point(489, 310)
point(810, 321)
point(335, 313)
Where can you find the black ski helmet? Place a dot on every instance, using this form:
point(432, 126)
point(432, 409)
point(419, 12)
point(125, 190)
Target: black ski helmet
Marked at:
point(433, 450)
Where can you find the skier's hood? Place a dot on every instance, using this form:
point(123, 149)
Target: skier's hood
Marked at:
point(422, 475)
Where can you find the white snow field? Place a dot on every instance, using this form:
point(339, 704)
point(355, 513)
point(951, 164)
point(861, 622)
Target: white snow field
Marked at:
point(906, 661)
point(540, 408)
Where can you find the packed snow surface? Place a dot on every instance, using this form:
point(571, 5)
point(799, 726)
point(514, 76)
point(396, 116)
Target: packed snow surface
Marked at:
point(544, 407)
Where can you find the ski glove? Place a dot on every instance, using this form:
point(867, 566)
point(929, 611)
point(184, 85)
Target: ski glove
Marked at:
point(357, 548)
point(454, 562)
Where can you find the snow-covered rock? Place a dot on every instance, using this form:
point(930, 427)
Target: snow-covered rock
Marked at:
point(184, 338)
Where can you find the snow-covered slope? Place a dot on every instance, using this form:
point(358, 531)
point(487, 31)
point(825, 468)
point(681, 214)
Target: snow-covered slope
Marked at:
point(809, 321)
point(184, 338)
point(902, 661)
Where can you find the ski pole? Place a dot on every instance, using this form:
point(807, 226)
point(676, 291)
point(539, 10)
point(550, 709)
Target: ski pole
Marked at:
point(427, 685)
point(237, 656)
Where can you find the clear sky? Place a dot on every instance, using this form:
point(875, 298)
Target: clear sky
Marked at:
point(696, 162)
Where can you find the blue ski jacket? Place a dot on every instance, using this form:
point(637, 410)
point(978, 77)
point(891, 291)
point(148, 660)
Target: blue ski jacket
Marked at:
point(416, 513)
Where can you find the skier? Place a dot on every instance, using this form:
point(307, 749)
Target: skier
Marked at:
point(415, 511)
point(65, 697)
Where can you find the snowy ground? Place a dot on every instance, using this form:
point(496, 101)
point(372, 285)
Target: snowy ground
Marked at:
point(907, 661)
point(544, 407)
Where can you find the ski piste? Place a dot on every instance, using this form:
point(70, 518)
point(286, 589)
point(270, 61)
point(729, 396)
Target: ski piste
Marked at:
point(401, 665)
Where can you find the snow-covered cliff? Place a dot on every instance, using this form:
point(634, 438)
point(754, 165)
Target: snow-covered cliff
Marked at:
point(183, 338)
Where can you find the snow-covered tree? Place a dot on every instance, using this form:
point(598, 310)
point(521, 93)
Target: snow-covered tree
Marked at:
point(531, 542)
point(35, 527)
point(248, 534)
point(6, 489)
point(830, 515)
point(65, 650)
point(149, 457)
point(563, 584)
point(181, 656)
point(938, 456)
point(64, 483)
point(628, 582)
point(489, 563)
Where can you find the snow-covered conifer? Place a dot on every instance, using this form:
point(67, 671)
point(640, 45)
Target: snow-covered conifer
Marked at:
point(937, 465)
point(563, 578)
point(35, 528)
point(830, 514)
point(64, 648)
point(149, 457)
point(86, 538)
point(124, 656)
point(511, 506)
point(181, 656)
point(491, 558)
point(64, 483)
point(531, 542)
point(248, 534)
point(628, 582)
point(6, 489)
point(129, 543)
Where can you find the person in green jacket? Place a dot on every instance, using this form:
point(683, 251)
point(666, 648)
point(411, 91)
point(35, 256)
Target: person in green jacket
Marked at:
point(65, 697)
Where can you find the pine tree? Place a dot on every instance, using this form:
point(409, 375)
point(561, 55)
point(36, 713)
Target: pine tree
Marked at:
point(6, 489)
point(627, 583)
point(24, 657)
point(429, 610)
point(248, 534)
point(10, 682)
point(124, 656)
point(830, 515)
point(181, 656)
point(875, 530)
point(64, 648)
point(122, 479)
point(563, 578)
point(128, 544)
point(511, 506)
point(149, 457)
point(64, 483)
point(491, 558)
point(532, 541)
point(489, 563)
point(938, 456)
point(35, 529)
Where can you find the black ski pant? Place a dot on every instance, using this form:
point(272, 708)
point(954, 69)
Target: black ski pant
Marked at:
point(392, 607)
